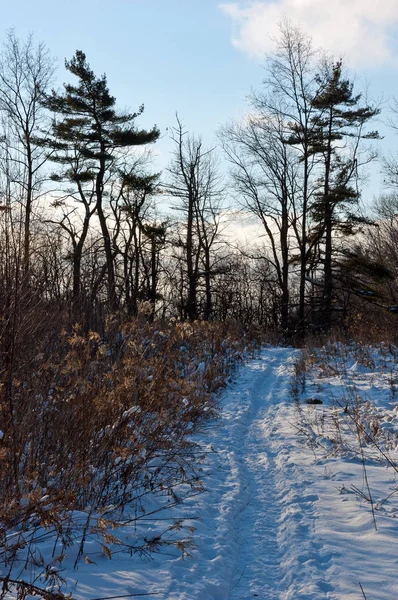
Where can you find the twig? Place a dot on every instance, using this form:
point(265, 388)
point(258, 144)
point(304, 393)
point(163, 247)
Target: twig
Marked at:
point(365, 473)
point(371, 439)
point(129, 596)
point(363, 593)
point(32, 589)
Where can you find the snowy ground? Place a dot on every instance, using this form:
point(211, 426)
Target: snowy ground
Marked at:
point(286, 514)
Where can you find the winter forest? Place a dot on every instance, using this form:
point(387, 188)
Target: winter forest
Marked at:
point(129, 300)
point(90, 228)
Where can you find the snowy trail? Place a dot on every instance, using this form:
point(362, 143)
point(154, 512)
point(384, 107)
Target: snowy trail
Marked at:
point(256, 533)
point(277, 521)
point(258, 569)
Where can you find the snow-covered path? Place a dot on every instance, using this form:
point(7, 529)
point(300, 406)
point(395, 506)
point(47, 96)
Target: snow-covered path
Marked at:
point(258, 570)
point(276, 522)
point(255, 538)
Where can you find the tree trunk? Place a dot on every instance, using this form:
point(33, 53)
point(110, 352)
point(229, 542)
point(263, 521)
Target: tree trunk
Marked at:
point(112, 298)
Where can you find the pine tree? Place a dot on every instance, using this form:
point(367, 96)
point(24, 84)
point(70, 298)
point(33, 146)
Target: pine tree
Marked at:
point(339, 117)
point(88, 136)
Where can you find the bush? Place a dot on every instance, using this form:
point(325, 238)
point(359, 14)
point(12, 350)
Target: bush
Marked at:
point(98, 429)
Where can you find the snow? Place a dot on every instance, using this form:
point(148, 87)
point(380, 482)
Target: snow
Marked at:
point(285, 514)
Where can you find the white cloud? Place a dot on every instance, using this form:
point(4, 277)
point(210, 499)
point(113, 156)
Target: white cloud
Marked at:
point(363, 31)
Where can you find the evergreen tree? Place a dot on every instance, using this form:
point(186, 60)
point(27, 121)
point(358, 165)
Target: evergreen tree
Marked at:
point(339, 118)
point(88, 136)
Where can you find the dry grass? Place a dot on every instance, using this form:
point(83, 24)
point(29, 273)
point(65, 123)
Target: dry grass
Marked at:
point(96, 427)
point(357, 420)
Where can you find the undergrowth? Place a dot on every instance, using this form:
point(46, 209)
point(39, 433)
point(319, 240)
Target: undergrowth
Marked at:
point(346, 402)
point(98, 434)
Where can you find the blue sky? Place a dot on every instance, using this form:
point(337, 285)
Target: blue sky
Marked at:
point(170, 55)
point(202, 57)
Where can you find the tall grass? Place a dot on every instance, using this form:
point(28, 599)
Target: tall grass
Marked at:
point(99, 432)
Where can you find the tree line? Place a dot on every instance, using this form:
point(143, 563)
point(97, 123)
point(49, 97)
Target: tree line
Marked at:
point(80, 221)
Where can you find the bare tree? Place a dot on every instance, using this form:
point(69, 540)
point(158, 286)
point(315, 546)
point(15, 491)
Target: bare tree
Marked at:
point(26, 72)
point(138, 236)
point(265, 178)
point(76, 207)
point(289, 87)
point(196, 186)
